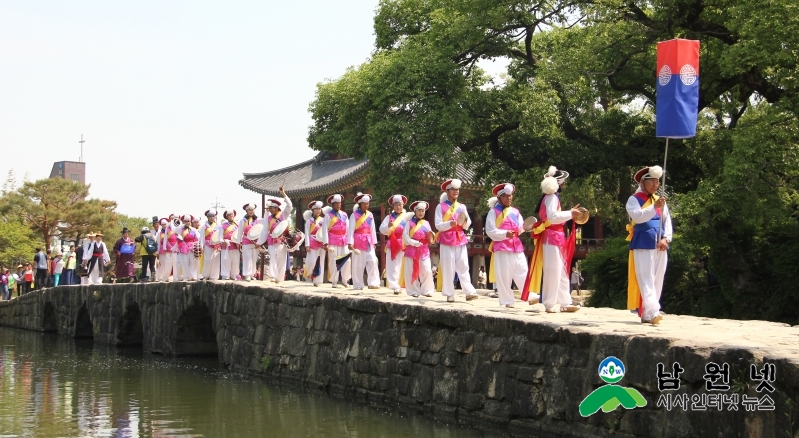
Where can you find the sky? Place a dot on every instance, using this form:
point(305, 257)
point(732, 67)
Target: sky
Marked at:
point(175, 99)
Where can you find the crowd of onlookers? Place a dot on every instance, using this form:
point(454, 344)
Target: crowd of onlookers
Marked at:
point(47, 270)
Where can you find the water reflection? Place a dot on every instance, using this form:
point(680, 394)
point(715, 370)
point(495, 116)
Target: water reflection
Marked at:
point(55, 386)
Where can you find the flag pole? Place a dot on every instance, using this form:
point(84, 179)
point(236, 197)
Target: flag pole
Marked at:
point(663, 190)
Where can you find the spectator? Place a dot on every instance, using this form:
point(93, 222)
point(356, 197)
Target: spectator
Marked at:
point(20, 278)
point(41, 262)
point(58, 269)
point(50, 268)
point(6, 295)
point(148, 248)
point(124, 249)
point(576, 280)
point(12, 283)
point(69, 266)
point(481, 278)
point(28, 277)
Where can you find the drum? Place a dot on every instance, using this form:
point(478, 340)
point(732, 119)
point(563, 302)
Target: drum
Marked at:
point(529, 223)
point(294, 240)
point(198, 249)
point(581, 218)
point(215, 238)
point(318, 235)
point(280, 229)
point(255, 232)
point(431, 237)
point(234, 236)
point(461, 221)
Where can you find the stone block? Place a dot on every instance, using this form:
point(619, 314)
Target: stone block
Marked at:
point(450, 358)
point(445, 385)
point(471, 402)
point(429, 359)
point(421, 383)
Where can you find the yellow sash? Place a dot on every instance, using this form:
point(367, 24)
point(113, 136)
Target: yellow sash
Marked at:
point(396, 223)
point(272, 222)
point(333, 220)
point(633, 290)
point(448, 214)
point(209, 230)
point(500, 219)
point(536, 270)
point(317, 222)
point(231, 228)
point(362, 219)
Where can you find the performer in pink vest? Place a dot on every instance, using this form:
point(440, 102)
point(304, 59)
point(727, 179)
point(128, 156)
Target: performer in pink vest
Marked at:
point(362, 238)
point(167, 249)
point(393, 226)
point(230, 249)
point(279, 211)
point(451, 221)
point(212, 250)
point(504, 224)
point(187, 236)
point(249, 250)
point(555, 285)
point(334, 240)
point(418, 271)
point(315, 254)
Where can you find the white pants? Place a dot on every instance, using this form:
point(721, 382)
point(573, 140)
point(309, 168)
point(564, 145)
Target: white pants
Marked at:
point(555, 286)
point(393, 270)
point(168, 264)
point(454, 259)
point(424, 284)
point(509, 267)
point(346, 271)
point(277, 261)
point(211, 263)
point(310, 262)
point(186, 267)
point(84, 280)
point(94, 275)
point(366, 260)
point(650, 268)
point(230, 263)
point(249, 256)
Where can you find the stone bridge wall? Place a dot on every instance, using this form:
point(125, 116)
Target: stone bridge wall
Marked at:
point(484, 370)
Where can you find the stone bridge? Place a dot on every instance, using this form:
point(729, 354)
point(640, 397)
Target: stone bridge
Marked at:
point(519, 370)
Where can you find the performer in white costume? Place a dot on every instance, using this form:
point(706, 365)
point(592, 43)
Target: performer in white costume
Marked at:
point(315, 253)
point(417, 236)
point(211, 234)
point(187, 235)
point(392, 227)
point(451, 220)
point(362, 238)
point(334, 238)
point(95, 259)
point(168, 250)
point(230, 249)
point(279, 211)
point(249, 251)
point(504, 225)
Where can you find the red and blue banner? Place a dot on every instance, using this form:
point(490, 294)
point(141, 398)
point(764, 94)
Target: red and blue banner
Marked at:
point(677, 88)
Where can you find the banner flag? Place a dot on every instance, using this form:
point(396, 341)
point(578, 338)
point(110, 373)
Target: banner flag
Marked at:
point(677, 88)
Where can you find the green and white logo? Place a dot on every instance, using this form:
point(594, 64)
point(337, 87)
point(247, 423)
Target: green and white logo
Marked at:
point(610, 396)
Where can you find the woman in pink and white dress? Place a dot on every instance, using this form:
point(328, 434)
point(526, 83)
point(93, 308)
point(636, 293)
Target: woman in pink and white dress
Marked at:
point(315, 258)
point(167, 250)
point(249, 250)
point(230, 249)
point(362, 237)
point(279, 211)
point(334, 239)
point(417, 236)
point(187, 236)
point(212, 251)
point(392, 227)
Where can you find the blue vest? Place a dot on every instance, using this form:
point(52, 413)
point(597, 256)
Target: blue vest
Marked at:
point(645, 234)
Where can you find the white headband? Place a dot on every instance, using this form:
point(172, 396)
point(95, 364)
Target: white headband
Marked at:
point(317, 204)
point(421, 206)
point(335, 198)
point(364, 198)
point(507, 190)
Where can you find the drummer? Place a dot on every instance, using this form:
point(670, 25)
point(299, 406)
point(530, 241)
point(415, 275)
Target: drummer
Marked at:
point(250, 228)
point(334, 239)
point(504, 224)
point(555, 285)
point(230, 249)
point(278, 250)
point(212, 248)
point(315, 254)
point(393, 226)
point(417, 235)
point(362, 238)
point(167, 250)
point(451, 221)
point(187, 235)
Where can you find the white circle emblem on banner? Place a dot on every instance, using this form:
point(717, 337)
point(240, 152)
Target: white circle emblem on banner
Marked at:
point(664, 76)
point(687, 74)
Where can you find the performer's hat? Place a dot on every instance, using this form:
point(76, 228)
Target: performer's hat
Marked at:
point(164, 221)
point(98, 234)
point(90, 235)
point(315, 204)
point(249, 207)
point(503, 189)
point(559, 175)
point(125, 230)
point(362, 197)
point(273, 202)
point(187, 218)
point(419, 205)
point(334, 198)
point(210, 213)
point(227, 212)
point(651, 172)
point(155, 219)
point(397, 198)
point(453, 183)
point(145, 230)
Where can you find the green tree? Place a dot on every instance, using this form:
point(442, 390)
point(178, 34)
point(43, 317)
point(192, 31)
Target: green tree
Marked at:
point(55, 206)
point(17, 244)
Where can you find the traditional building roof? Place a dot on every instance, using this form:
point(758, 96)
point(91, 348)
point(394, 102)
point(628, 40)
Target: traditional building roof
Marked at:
point(324, 174)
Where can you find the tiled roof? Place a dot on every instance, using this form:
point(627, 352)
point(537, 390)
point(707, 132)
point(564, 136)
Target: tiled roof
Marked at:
point(319, 176)
point(313, 177)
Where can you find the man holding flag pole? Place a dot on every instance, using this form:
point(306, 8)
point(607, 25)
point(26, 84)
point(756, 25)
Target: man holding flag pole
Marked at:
point(650, 229)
